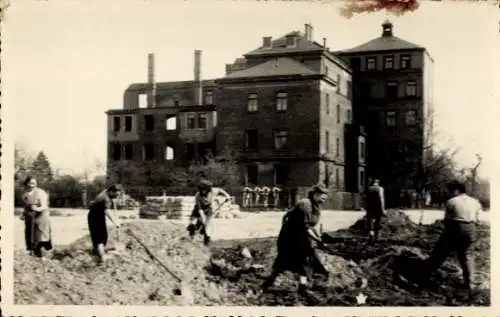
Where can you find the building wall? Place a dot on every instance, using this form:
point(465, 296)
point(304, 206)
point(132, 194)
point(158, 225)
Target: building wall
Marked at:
point(168, 93)
point(234, 119)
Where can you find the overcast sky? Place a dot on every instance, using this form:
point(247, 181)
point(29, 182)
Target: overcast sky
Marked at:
point(65, 63)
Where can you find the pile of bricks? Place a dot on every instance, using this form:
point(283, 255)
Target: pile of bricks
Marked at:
point(180, 207)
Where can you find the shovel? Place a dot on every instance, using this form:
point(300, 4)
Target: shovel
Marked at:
point(182, 289)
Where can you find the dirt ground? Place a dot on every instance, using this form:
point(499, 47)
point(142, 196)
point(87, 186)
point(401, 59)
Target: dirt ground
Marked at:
point(220, 275)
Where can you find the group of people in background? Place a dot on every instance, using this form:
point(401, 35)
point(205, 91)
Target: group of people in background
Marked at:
point(298, 238)
point(260, 196)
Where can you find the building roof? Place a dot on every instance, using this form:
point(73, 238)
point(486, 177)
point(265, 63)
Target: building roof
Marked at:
point(386, 42)
point(280, 66)
point(169, 85)
point(279, 45)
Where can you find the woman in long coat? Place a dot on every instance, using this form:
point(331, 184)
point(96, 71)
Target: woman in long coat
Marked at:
point(297, 238)
point(37, 232)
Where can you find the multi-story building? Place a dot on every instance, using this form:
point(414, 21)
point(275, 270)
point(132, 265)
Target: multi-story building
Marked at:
point(162, 124)
point(293, 111)
point(284, 106)
point(392, 99)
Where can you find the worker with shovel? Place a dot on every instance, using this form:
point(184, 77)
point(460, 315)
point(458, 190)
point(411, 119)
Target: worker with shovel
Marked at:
point(37, 219)
point(461, 214)
point(203, 210)
point(98, 211)
point(298, 238)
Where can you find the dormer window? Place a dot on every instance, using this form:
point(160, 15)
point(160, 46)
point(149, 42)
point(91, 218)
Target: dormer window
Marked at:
point(291, 40)
point(267, 42)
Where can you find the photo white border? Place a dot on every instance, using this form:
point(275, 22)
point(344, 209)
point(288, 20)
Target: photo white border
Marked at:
point(7, 250)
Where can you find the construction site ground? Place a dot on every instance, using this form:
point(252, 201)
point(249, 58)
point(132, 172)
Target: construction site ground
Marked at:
point(221, 275)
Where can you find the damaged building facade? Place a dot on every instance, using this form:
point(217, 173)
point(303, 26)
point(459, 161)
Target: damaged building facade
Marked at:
point(295, 112)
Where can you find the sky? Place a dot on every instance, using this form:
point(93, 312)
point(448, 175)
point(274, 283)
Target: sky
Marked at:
point(65, 63)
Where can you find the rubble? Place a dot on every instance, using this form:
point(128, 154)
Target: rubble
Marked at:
point(232, 271)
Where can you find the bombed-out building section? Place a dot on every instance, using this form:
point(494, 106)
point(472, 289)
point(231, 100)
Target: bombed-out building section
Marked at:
point(293, 111)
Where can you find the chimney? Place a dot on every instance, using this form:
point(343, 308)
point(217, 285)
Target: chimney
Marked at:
point(198, 89)
point(324, 44)
point(151, 81)
point(309, 32)
point(267, 42)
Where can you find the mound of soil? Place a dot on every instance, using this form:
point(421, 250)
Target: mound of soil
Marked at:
point(385, 271)
point(395, 223)
point(131, 277)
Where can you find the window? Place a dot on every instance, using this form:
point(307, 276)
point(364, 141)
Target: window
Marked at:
point(191, 120)
point(209, 97)
point(171, 123)
point(405, 61)
point(362, 177)
point(337, 147)
point(362, 149)
point(169, 153)
point(411, 117)
point(190, 154)
point(337, 177)
point(327, 71)
point(327, 141)
point(252, 174)
point(348, 116)
point(290, 40)
point(327, 103)
point(142, 100)
point(129, 151)
point(388, 62)
point(392, 89)
point(370, 63)
point(281, 173)
point(128, 123)
point(280, 139)
point(390, 118)
point(148, 151)
point(202, 121)
point(251, 140)
point(253, 104)
point(116, 124)
point(149, 122)
point(116, 151)
point(281, 101)
point(411, 88)
point(338, 114)
point(339, 82)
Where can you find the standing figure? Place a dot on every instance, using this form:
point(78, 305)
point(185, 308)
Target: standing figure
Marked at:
point(461, 213)
point(375, 208)
point(276, 196)
point(37, 232)
point(204, 208)
point(257, 191)
point(99, 210)
point(428, 198)
point(297, 240)
point(265, 196)
point(247, 196)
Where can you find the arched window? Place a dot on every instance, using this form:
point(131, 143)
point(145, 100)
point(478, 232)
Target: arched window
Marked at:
point(171, 123)
point(169, 153)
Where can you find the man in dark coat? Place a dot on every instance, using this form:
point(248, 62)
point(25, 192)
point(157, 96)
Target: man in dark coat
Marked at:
point(375, 208)
point(297, 238)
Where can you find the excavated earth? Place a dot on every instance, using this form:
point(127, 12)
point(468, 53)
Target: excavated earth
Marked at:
point(231, 271)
